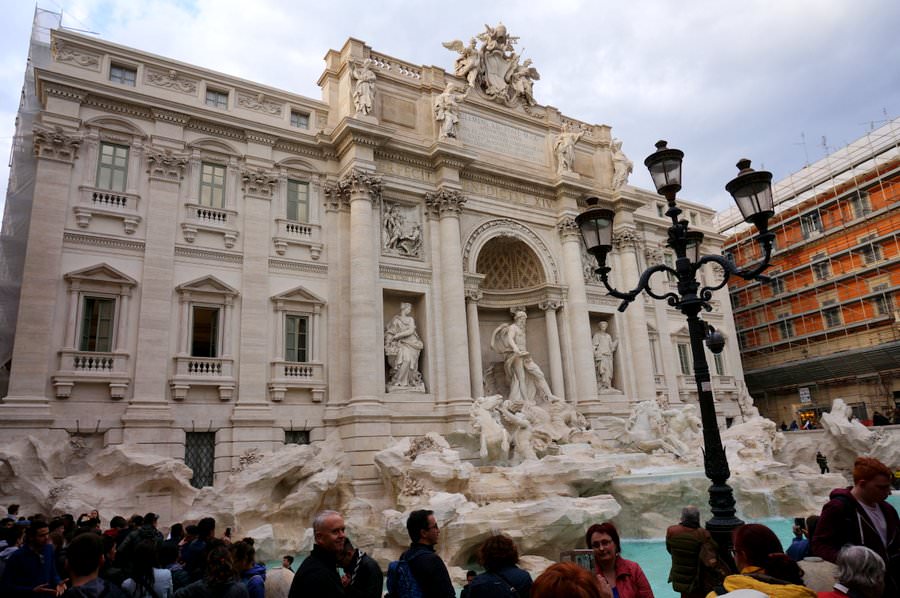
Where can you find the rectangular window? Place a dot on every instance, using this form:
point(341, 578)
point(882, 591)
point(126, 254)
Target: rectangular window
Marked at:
point(777, 285)
point(719, 362)
point(882, 304)
point(669, 260)
point(297, 201)
point(821, 270)
point(97, 324)
point(832, 317)
point(200, 456)
point(684, 358)
point(212, 185)
point(870, 253)
point(216, 98)
point(785, 327)
point(811, 224)
point(860, 205)
point(299, 120)
point(296, 436)
point(296, 338)
point(661, 210)
point(205, 332)
point(112, 167)
point(122, 74)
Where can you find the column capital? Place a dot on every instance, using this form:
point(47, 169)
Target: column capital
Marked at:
point(626, 238)
point(360, 184)
point(258, 181)
point(474, 295)
point(336, 198)
point(653, 254)
point(165, 164)
point(550, 305)
point(444, 202)
point(568, 230)
point(56, 144)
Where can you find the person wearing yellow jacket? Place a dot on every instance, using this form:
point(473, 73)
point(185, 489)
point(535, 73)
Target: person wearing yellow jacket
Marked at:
point(763, 566)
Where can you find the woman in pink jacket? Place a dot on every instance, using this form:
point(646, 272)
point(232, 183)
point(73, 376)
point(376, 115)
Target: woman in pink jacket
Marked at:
point(616, 577)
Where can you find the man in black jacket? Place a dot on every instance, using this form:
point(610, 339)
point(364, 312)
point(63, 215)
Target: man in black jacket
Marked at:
point(317, 576)
point(362, 575)
point(426, 566)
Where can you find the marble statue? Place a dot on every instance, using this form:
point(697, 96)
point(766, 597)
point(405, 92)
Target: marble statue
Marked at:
point(525, 376)
point(684, 430)
point(622, 166)
point(446, 110)
point(604, 348)
point(364, 91)
point(564, 147)
point(645, 429)
point(399, 234)
point(493, 437)
point(402, 347)
point(494, 67)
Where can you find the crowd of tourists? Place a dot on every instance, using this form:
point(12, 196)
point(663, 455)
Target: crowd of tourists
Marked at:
point(852, 549)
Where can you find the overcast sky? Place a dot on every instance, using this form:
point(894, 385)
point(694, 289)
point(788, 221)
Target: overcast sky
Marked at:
point(718, 79)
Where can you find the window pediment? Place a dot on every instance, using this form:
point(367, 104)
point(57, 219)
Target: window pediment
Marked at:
point(209, 285)
point(99, 275)
point(298, 298)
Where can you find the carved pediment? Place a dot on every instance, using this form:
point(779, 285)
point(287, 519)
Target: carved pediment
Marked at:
point(207, 284)
point(100, 274)
point(298, 298)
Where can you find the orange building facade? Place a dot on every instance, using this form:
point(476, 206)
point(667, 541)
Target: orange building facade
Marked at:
point(827, 323)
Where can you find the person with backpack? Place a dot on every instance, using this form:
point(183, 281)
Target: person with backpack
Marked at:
point(861, 516)
point(502, 578)
point(317, 576)
point(420, 572)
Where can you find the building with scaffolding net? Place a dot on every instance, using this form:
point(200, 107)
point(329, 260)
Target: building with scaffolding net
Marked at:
point(827, 324)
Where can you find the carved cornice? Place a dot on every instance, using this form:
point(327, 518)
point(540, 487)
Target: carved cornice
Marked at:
point(568, 230)
point(103, 241)
point(404, 274)
point(259, 181)
point(216, 129)
point(626, 238)
point(298, 266)
point(56, 144)
point(170, 116)
point(64, 91)
point(165, 164)
point(299, 148)
point(208, 255)
point(404, 158)
point(444, 202)
point(119, 107)
point(490, 178)
point(170, 80)
point(257, 137)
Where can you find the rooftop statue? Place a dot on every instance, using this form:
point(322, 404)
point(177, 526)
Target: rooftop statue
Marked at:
point(494, 68)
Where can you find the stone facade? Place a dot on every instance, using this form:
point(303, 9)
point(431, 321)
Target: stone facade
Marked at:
point(209, 255)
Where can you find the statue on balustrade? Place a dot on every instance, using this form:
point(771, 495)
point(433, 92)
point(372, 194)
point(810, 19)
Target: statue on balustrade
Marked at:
point(622, 166)
point(402, 347)
point(564, 147)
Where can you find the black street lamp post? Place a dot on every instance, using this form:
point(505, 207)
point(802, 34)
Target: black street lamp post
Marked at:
point(752, 191)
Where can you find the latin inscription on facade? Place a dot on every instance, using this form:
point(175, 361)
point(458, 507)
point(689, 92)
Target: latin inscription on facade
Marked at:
point(502, 139)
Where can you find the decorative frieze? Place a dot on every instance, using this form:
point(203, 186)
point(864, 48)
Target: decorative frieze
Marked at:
point(103, 241)
point(404, 274)
point(486, 186)
point(294, 266)
point(444, 202)
point(208, 255)
point(56, 144)
point(259, 103)
point(69, 54)
point(170, 80)
point(166, 165)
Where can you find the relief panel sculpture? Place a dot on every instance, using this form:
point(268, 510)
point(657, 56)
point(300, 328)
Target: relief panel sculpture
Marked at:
point(401, 233)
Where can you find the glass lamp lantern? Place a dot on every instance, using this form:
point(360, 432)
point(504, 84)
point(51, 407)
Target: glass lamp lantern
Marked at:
point(752, 192)
point(665, 169)
point(596, 225)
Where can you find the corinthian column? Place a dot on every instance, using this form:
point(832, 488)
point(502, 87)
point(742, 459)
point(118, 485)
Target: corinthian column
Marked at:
point(448, 203)
point(556, 371)
point(625, 241)
point(365, 353)
point(578, 319)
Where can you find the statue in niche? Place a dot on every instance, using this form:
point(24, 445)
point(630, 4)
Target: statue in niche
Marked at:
point(564, 147)
point(622, 166)
point(446, 110)
point(604, 348)
point(402, 347)
point(525, 376)
point(399, 235)
point(364, 91)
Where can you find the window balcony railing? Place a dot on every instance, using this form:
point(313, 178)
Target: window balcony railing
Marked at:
point(110, 204)
point(288, 375)
point(215, 220)
point(91, 367)
point(290, 232)
point(203, 371)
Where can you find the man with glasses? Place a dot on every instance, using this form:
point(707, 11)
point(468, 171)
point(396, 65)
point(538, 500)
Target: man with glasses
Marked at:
point(426, 566)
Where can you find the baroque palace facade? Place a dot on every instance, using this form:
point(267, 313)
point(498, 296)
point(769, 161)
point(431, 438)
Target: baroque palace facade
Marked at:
point(827, 325)
point(203, 266)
